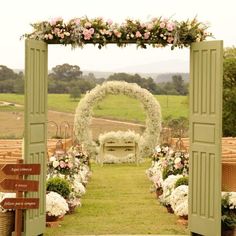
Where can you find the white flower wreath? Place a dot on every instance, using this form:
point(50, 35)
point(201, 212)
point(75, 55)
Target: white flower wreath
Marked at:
point(83, 115)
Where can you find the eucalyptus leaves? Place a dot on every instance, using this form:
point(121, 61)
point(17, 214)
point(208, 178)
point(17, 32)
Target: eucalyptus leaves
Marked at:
point(158, 32)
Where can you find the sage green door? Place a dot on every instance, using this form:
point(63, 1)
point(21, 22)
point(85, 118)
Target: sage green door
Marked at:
point(206, 73)
point(35, 140)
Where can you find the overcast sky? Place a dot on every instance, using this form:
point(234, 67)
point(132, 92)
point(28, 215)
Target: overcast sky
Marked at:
point(16, 16)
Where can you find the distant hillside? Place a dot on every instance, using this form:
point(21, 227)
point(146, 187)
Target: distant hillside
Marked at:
point(166, 77)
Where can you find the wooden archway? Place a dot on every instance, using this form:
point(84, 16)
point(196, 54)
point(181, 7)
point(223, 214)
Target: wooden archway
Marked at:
point(206, 70)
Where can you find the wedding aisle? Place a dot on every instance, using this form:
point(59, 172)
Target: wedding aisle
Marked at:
point(118, 201)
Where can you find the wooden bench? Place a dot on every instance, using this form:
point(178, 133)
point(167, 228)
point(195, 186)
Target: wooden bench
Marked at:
point(119, 149)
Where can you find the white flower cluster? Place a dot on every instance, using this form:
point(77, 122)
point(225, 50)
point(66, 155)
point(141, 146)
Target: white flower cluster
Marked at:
point(3, 196)
point(83, 115)
point(232, 199)
point(111, 159)
point(125, 136)
point(56, 205)
point(154, 174)
point(168, 187)
point(78, 188)
point(179, 200)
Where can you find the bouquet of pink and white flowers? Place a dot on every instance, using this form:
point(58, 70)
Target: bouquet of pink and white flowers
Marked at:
point(62, 165)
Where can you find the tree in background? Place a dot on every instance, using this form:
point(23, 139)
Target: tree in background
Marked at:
point(10, 82)
point(179, 85)
point(75, 93)
point(66, 72)
point(148, 84)
point(229, 92)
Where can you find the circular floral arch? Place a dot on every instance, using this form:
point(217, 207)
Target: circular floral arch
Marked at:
point(151, 106)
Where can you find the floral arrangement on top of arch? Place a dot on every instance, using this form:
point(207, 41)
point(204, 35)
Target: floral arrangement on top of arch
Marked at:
point(158, 32)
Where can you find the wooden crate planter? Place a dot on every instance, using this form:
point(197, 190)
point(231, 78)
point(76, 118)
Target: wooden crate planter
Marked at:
point(7, 223)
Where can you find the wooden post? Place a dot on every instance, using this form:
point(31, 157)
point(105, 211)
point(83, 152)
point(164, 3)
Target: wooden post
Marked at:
point(18, 212)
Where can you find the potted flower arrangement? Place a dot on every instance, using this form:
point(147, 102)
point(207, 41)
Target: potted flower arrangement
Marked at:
point(56, 206)
point(228, 208)
point(175, 163)
point(179, 202)
point(61, 165)
point(168, 187)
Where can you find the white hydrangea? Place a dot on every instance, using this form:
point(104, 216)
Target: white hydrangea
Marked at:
point(179, 200)
point(232, 199)
point(168, 186)
point(154, 174)
point(78, 188)
point(56, 205)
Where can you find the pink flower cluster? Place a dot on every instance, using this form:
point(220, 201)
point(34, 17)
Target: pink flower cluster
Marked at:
point(88, 33)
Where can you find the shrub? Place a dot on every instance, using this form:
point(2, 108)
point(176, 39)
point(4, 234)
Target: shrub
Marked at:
point(181, 181)
point(60, 186)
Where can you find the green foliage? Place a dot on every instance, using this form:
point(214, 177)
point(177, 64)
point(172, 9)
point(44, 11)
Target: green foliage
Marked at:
point(165, 174)
point(75, 93)
point(181, 181)
point(66, 72)
point(148, 84)
point(59, 185)
point(229, 92)
point(179, 85)
point(228, 218)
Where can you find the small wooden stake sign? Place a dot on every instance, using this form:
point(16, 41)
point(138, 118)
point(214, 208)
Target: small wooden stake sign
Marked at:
point(20, 203)
point(20, 185)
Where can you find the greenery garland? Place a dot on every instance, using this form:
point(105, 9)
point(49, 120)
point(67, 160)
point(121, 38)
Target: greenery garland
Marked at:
point(158, 32)
point(83, 114)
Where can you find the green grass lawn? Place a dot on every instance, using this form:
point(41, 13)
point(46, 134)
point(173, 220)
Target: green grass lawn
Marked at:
point(118, 201)
point(113, 106)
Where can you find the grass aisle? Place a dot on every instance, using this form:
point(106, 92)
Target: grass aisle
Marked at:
point(118, 201)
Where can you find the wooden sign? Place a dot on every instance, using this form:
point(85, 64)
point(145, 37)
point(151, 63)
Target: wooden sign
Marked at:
point(20, 203)
point(20, 185)
point(21, 169)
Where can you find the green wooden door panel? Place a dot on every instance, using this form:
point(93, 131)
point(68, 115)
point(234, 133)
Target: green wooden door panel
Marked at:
point(35, 141)
point(206, 72)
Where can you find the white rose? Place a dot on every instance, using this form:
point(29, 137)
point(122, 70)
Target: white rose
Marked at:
point(158, 149)
point(177, 160)
point(55, 164)
point(52, 158)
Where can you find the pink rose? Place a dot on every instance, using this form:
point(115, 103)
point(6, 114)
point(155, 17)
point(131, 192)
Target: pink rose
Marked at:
point(62, 164)
point(162, 25)
point(56, 30)
point(91, 30)
point(147, 35)
point(138, 34)
point(170, 26)
point(77, 21)
point(50, 36)
point(149, 26)
point(170, 39)
point(117, 33)
point(109, 21)
point(70, 165)
point(87, 34)
point(55, 20)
